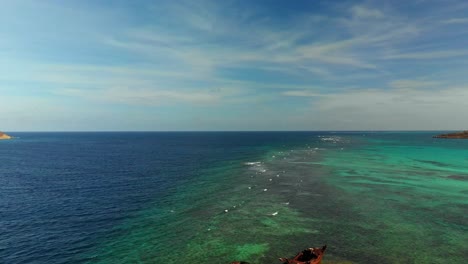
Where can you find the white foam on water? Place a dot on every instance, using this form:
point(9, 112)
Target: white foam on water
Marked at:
point(253, 163)
point(334, 139)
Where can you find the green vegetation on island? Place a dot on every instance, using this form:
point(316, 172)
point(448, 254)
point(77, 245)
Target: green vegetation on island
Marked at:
point(456, 135)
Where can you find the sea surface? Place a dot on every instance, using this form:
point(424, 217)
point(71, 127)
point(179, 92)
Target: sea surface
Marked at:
point(217, 197)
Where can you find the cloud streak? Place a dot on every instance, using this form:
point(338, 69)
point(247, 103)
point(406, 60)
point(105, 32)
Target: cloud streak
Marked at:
point(428, 55)
point(456, 21)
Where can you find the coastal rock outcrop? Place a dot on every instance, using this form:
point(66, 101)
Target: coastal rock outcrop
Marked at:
point(456, 135)
point(4, 136)
point(307, 256)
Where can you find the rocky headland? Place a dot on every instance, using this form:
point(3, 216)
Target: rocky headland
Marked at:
point(4, 136)
point(456, 135)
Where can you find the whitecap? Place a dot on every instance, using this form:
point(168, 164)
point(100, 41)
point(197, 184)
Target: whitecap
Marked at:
point(251, 163)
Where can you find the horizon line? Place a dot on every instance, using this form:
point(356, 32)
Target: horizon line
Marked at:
point(217, 131)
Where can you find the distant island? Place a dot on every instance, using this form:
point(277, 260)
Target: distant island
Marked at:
point(4, 136)
point(456, 135)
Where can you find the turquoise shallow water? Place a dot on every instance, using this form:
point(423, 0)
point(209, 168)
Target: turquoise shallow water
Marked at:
point(373, 198)
point(412, 192)
point(220, 197)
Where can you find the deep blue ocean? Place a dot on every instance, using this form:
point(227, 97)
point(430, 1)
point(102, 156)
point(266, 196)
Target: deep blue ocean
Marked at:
point(222, 196)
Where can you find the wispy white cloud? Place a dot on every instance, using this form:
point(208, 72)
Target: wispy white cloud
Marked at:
point(393, 109)
point(144, 97)
point(241, 41)
point(428, 55)
point(455, 21)
point(302, 93)
point(413, 84)
point(363, 12)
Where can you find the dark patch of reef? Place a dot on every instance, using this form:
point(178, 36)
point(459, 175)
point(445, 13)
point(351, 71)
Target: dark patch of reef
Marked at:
point(307, 256)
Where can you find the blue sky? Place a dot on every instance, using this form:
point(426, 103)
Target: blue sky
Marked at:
point(233, 65)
